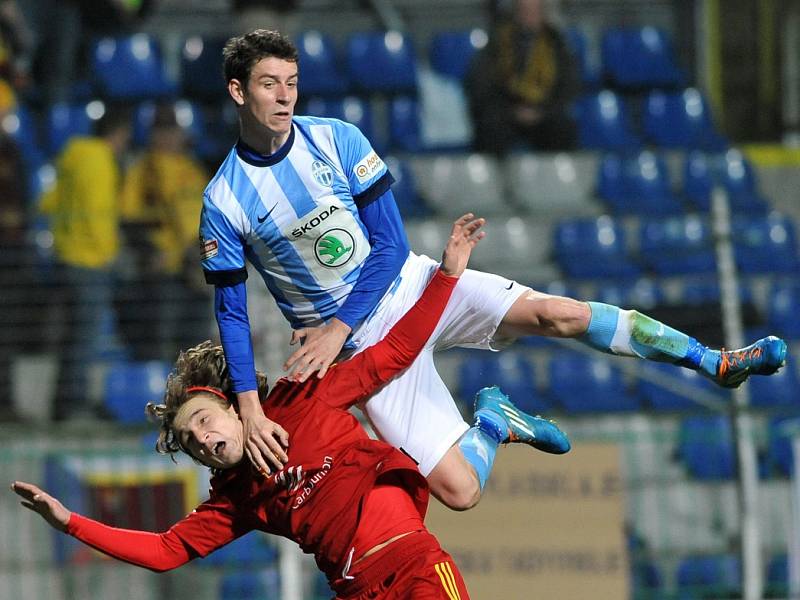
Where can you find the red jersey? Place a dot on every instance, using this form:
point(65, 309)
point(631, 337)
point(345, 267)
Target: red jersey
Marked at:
point(315, 500)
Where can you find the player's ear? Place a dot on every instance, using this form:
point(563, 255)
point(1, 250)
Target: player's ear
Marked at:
point(237, 91)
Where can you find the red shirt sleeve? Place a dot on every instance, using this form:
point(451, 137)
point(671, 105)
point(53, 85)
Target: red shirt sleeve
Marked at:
point(362, 375)
point(201, 532)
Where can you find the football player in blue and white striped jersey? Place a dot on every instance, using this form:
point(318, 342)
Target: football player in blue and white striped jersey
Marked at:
point(308, 203)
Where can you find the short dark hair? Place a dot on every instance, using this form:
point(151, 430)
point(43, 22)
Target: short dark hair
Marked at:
point(243, 52)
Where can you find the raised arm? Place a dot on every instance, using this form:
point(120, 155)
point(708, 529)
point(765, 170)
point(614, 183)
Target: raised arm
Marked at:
point(359, 377)
point(155, 551)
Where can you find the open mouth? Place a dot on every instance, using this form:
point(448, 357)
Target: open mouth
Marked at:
point(218, 448)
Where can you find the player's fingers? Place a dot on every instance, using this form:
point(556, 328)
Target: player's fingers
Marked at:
point(26, 490)
point(278, 454)
point(294, 359)
point(264, 443)
point(28, 505)
point(473, 226)
point(323, 370)
point(282, 434)
point(473, 241)
point(298, 336)
point(254, 454)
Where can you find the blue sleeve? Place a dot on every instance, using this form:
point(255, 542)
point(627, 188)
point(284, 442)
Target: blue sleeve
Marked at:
point(230, 308)
point(388, 254)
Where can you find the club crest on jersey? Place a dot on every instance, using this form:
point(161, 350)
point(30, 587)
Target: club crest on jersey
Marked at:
point(322, 173)
point(334, 248)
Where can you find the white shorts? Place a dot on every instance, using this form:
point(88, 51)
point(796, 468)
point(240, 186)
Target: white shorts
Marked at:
point(416, 412)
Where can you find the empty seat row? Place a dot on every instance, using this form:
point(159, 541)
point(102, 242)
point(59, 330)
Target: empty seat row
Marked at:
point(669, 119)
point(642, 184)
point(598, 248)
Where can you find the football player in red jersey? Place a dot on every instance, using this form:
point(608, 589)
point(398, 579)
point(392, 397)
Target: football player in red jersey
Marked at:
point(356, 503)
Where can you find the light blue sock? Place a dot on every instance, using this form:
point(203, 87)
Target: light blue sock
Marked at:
point(630, 333)
point(479, 444)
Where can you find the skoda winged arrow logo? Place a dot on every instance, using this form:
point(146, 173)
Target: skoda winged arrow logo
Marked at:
point(334, 248)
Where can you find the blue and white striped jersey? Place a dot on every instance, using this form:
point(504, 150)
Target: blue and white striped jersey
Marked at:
point(294, 216)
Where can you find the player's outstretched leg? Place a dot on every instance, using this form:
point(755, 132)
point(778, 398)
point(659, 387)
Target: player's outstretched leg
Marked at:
point(494, 410)
point(630, 333)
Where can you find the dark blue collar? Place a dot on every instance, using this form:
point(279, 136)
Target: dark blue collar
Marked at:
point(255, 158)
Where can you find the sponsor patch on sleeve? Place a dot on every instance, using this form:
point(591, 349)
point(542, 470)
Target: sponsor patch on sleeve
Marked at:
point(208, 249)
point(368, 167)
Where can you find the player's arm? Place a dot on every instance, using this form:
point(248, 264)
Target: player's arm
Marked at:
point(223, 264)
point(155, 551)
point(359, 377)
point(388, 251)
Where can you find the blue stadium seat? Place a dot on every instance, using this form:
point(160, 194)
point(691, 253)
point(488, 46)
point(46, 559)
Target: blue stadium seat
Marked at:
point(637, 185)
point(646, 580)
point(263, 584)
point(201, 75)
point(637, 58)
point(779, 457)
point(578, 47)
point(383, 62)
point(21, 125)
point(511, 371)
point(765, 244)
point(714, 576)
point(63, 121)
point(783, 309)
point(706, 447)
point(188, 116)
point(352, 109)
point(731, 171)
point(737, 176)
point(680, 120)
point(451, 52)
point(404, 124)
point(661, 398)
point(643, 294)
point(604, 123)
point(130, 385)
point(776, 583)
point(130, 68)
point(581, 384)
point(321, 72)
point(781, 390)
point(679, 245)
point(404, 189)
point(593, 248)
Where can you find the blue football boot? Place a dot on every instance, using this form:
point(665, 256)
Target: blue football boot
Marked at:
point(763, 357)
point(519, 427)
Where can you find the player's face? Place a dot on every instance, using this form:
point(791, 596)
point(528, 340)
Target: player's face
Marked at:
point(269, 98)
point(210, 432)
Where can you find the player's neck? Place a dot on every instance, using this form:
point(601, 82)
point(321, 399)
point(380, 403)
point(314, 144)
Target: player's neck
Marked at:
point(263, 141)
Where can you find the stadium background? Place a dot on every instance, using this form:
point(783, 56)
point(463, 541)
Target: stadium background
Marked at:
point(679, 98)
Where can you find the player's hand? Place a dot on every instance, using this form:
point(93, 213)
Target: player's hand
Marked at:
point(320, 347)
point(465, 235)
point(39, 501)
point(265, 441)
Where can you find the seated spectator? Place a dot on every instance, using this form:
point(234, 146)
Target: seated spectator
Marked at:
point(521, 85)
point(162, 195)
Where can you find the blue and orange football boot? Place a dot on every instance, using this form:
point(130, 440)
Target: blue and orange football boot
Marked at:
point(517, 427)
point(733, 367)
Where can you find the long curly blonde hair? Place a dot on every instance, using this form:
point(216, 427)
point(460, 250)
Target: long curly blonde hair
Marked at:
point(203, 365)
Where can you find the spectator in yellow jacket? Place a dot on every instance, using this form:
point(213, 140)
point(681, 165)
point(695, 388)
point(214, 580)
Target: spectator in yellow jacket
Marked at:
point(161, 199)
point(83, 208)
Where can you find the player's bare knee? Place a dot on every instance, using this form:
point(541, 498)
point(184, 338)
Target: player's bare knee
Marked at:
point(461, 498)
